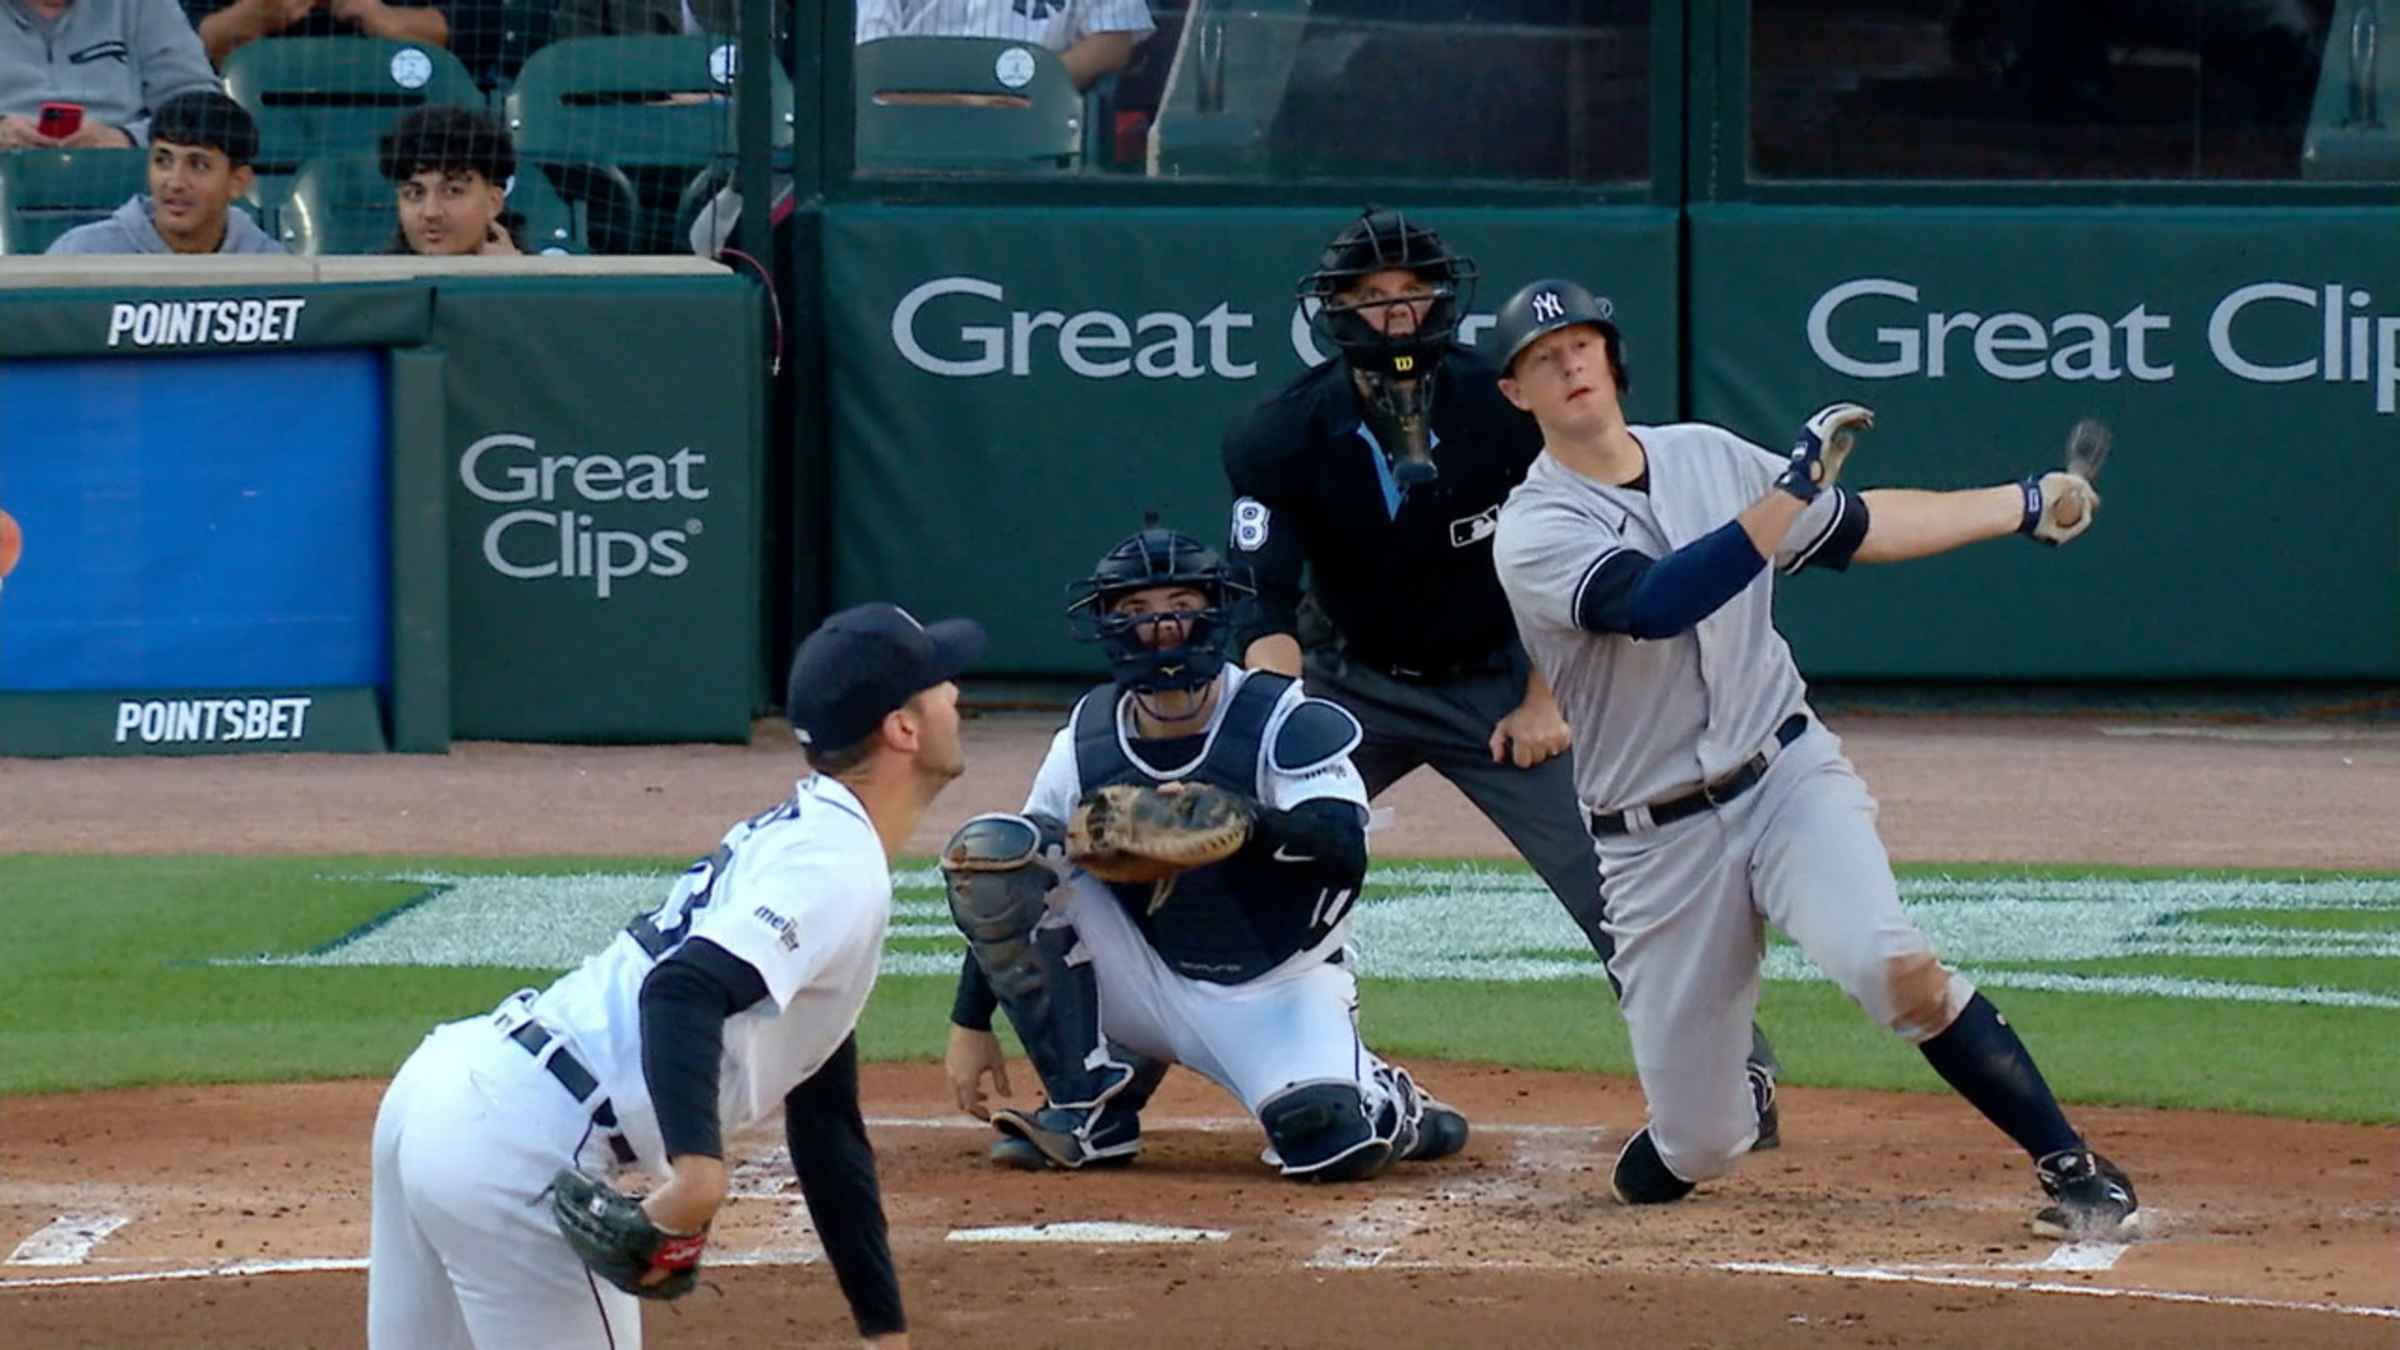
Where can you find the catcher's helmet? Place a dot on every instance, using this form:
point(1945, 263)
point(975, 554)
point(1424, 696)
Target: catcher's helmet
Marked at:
point(1548, 305)
point(1155, 556)
point(1382, 241)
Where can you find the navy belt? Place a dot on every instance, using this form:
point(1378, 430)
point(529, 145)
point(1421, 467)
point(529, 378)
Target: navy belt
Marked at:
point(1708, 796)
point(579, 1083)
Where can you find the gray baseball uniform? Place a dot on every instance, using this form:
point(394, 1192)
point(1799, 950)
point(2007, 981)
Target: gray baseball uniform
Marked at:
point(1655, 720)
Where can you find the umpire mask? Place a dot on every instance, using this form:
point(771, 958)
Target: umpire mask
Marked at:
point(1397, 370)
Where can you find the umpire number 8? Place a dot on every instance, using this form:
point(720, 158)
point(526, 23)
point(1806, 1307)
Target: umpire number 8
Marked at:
point(1249, 525)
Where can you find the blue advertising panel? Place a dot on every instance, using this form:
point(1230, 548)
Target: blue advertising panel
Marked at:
point(198, 522)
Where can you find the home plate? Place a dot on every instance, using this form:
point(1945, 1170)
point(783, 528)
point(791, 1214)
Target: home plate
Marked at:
point(1088, 1233)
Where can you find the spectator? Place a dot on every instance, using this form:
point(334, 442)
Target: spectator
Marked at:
point(115, 59)
point(227, 25)
point(1093, 38)
point(450, 169)
point(201, 146)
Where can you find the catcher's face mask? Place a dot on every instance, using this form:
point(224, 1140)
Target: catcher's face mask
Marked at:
point(1163, 607)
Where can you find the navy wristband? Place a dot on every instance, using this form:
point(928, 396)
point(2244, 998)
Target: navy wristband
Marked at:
point(2031, 486)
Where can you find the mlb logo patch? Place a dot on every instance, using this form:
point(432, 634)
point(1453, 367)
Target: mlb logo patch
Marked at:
point(1471, 530)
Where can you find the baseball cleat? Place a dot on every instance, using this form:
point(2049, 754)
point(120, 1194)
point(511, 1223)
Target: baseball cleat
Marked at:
point(2091, 1198)
point(1762, 1099)
point(1058, 1137)
point(1010, 1151)
point(1441, 1131)
point(1641, 1176)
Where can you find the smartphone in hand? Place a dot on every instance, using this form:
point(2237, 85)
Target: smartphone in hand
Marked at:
point(60, 120)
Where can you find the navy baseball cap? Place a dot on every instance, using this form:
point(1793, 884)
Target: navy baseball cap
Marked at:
point(866, 661)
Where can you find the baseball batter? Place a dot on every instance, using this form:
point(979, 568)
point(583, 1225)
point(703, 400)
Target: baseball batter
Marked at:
point(1236, 968)
point(1365, 493)
point(741, 991)
point(1636, 562)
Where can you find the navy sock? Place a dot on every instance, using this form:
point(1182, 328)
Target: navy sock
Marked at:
point(1982, 1058)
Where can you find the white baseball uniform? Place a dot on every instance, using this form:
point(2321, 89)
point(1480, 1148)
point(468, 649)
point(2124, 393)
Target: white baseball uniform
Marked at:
point(464, 1252)
point(1295, 1023)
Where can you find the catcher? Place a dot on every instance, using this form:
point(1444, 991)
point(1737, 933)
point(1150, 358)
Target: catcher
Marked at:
point(1179, 890)
point(738, 993)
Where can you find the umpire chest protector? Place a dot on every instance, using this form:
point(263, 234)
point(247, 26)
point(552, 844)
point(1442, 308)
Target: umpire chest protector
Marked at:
point(1235, 920)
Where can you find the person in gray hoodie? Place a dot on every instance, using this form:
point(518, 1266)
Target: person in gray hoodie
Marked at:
point(201, 146)
point(118, 59)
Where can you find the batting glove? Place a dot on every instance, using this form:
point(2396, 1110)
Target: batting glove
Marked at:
point(1825, 443)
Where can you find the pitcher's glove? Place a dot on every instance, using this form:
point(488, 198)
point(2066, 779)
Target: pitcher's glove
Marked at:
point(1129, 833)
point(608, 1229)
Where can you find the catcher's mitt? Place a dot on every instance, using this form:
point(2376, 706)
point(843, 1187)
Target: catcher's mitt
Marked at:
point(608, 1229)
point(1132, 833)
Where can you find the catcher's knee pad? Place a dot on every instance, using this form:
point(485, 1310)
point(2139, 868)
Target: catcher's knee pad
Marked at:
point(998, 892)
point(1327, 1131)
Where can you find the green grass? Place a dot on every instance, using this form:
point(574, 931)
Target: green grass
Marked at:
point(107, 979)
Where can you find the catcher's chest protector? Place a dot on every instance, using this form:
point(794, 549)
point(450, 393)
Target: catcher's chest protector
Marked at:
point(1238, 919)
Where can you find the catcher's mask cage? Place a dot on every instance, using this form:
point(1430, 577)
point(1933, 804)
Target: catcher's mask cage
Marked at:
point(1398, 370)
point(1156, 556)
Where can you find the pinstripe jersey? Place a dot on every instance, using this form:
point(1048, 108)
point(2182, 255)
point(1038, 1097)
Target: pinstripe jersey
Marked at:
point(1654, 717)
point(1056, 24)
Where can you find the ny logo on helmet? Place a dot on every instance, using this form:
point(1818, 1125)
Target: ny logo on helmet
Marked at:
point(1546, 306)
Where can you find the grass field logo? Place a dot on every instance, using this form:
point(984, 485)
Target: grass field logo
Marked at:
point(2184, 938)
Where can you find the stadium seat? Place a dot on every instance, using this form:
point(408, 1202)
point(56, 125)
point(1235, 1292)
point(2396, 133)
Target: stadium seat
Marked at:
point(931, 103)
point(336, 204)
point(551, 223)
point(612, 118)
point(494, 38)
point(319, 96)
point(45, 193)
point(648, 102)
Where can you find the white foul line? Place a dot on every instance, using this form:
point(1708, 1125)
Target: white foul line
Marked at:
point(317, 1264)
point(237, 1268)
point(1874, 1273)
point(1091, 1232)
point(67, 1240)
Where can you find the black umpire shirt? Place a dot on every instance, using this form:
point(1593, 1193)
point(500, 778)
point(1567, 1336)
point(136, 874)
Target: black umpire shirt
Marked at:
point(1407, 580)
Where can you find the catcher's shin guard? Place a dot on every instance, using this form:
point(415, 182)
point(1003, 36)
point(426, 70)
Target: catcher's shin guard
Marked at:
point(998, 888)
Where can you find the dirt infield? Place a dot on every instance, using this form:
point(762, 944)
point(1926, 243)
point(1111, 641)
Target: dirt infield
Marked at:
point(1885, 1220)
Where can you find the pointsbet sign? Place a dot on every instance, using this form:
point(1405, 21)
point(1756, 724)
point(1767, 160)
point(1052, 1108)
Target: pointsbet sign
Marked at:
point(205, 323)
point(2265, 332)
point(205, 721)
point(567, 516)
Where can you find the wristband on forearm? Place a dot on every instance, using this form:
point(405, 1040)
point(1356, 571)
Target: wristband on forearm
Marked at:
point(2031, 487)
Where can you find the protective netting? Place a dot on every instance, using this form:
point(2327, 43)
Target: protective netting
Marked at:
point(426, 126)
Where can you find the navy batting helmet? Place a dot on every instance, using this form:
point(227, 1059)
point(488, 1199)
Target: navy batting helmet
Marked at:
point(1383, 240)
point(1548, 305)
point(1156, 556)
